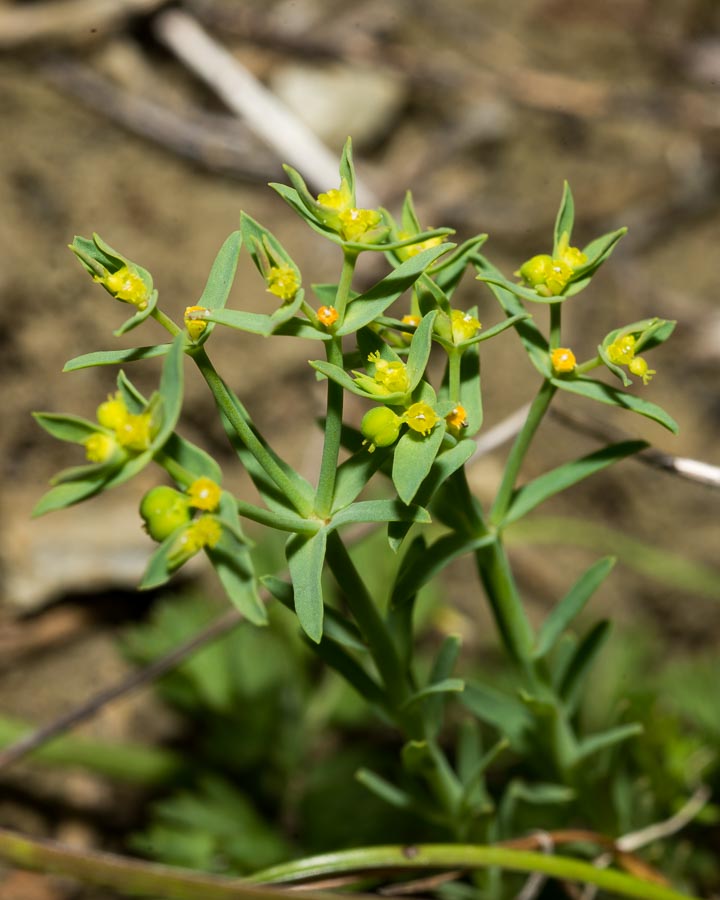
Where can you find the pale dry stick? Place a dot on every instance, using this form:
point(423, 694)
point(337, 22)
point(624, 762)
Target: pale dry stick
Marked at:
point(634, 840)
point(536, 881)
point(215, 141)
point(66, 21)
point(271, 120)
point(691, 469)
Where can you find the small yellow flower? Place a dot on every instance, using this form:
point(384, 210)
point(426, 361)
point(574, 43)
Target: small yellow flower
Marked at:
point(560, 275)
point(113, 412)
point(203, 532)
point(204, 494)
point(573, 257)
point(463, 326)
point(100, 448)
point(283, 282)
point(335, 199)
point(536, 270)
point(195, 327)
point(638, 366)
point(355, 223)
point(135, 432)
point(327, 316)
point(414, 249)
point(128, 286)
point(421, 417)
point(622, 350)
point(411, 320)
point(457, 419)
point(548, 276)
point(391, 375)
point(563, 360)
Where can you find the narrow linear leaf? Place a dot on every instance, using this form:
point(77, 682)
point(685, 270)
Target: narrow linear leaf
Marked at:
point(545, 486)
point(114, 357)
point(420, 349)
point(192, 457)
point(222, 273)
point(379, 511)
point(597, 742)
point(139, 317)
point(66, 428)
point(446, 686)
point(571, 605)
point(255, 323)
point(604, 393)
point(565, 218)
point(354, 473)
point(503, 711)
point(442, 669)
point(232, 561)
point(67, 494)
point(413, 459)
point(581, 663)
point(306, 556)
point(376, 300)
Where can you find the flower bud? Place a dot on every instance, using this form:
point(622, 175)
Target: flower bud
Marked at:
point(135, 432)
point(327, 316)
point(457, 419)
point(536, 270)
point(203, 532)
point(163, 510)
point(380, 427)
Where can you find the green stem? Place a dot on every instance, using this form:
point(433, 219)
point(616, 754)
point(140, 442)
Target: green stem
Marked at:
point(508, 611)
point(371, 624)
point(132, 877)
point(522, 442)
point(343, 292)
point(179, 473)
point(333, 432)
point(555, 325)
point(465, 856)
point(225, 401)
point(454, 362)
point(334, 414)
point(166, 322)
point(588, 365)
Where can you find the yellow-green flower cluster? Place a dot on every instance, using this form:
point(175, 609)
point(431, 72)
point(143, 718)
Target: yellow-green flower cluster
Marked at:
point(351, 222)
point(390, 377)
point(622, 353)
point(126, 285)
point(380, 426)
point(414, 249)
point(551, 275)
point(283, 282)
point(123, 431)
point(165, 511)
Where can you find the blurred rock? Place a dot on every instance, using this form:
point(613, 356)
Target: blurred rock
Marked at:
point(340, 100)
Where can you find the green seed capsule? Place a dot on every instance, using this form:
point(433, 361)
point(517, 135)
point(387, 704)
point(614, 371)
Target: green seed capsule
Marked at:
point(164, 509)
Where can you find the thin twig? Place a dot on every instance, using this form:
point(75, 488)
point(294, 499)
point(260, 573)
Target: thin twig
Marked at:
point(636, 839)
point(501, 433)
point(691, 469)
point(137, 679)
point(65, 21)
point(270, 119)
point(220, 143)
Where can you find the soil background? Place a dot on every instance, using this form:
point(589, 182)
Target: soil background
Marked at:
point(482, 109)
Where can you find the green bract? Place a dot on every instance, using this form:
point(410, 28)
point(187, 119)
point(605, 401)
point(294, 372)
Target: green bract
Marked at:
point(413, 348)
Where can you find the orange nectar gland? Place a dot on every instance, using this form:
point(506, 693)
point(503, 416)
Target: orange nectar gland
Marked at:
point(421, 418)
point(204, 494)
point(127, 286)
point(327, 316)
point(409, 320)
point(457, 418)
point(195, 327)
point(283, 282)
point(563, 360)
point(203, 532)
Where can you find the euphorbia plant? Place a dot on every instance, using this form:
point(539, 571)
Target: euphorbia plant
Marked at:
point(416, 437)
